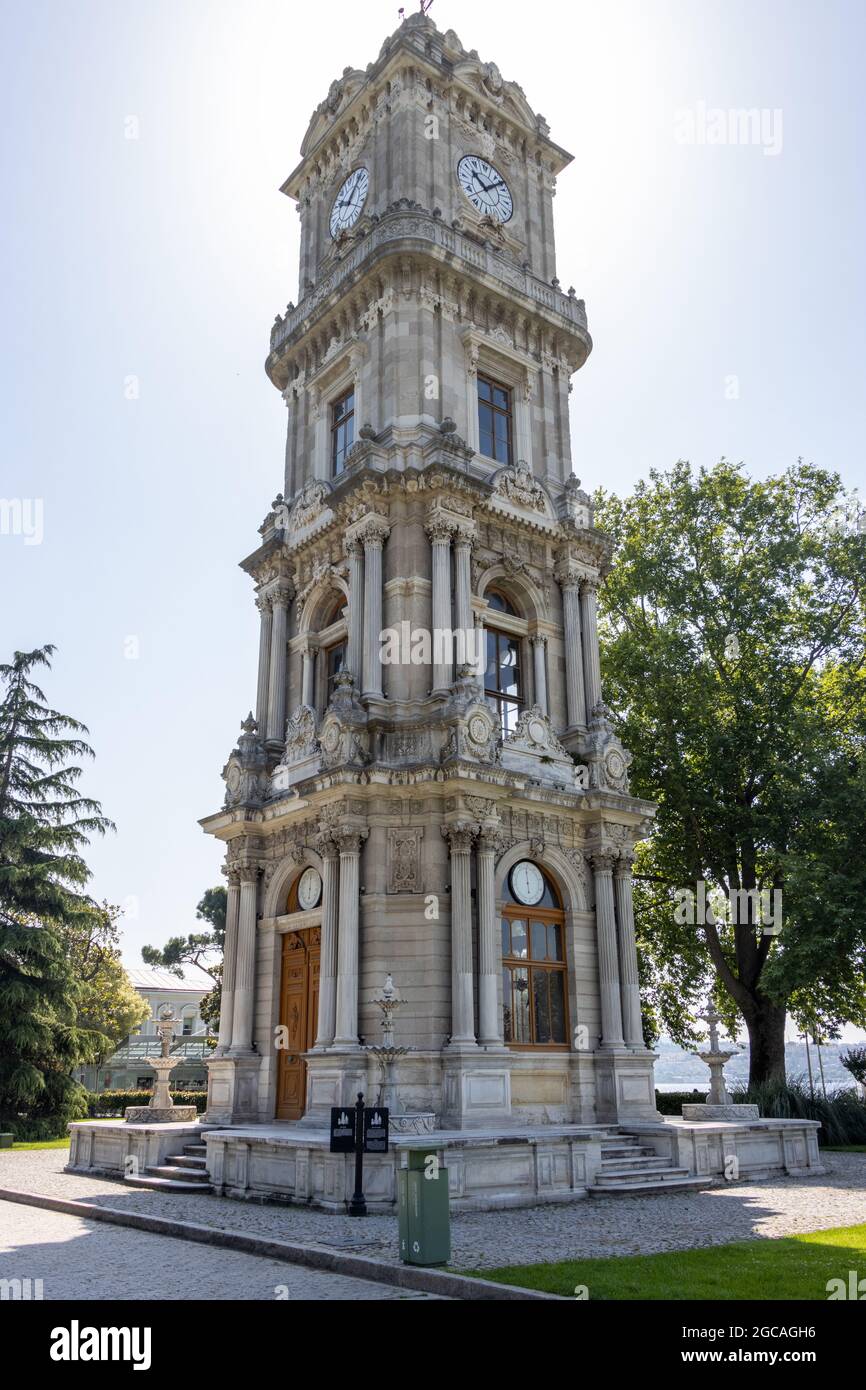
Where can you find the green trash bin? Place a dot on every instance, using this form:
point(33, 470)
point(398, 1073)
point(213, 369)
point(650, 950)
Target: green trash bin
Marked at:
point(423, 1216)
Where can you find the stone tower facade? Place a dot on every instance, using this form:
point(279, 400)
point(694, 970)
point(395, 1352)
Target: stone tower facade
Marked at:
point(430, 786)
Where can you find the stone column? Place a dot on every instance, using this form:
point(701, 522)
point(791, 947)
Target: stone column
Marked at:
point(263, 603)
point(308, 671)
point(489, 954)
point(277, 685)
point(539, 649)
point(230, 949)
point(440, 539)
point(328, 962)
point(464, 619)
point(374, 533)
point(569, 580)
point(245, 977)
point(354, 646)
point(629, 986)
point(460, 838)
point(589, 627)
point(608, 972)
point(349, 842)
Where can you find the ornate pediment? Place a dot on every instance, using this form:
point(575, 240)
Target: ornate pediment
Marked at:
point(532, 747)
point(516, 485)
point(340, 93)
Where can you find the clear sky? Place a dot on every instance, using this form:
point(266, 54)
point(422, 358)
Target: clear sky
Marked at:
point(143, 274)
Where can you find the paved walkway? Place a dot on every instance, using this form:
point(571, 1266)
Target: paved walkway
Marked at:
point(596, 1226)
point(79, 1259)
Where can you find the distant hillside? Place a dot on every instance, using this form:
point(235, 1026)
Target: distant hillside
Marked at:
point(675, 1067)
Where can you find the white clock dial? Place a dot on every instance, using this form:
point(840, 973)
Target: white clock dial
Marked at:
point(485, 187)
point(527, 883)
point(309, 889)
point(349, 201)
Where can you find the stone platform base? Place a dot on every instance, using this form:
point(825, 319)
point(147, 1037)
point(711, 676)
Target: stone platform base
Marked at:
point(730, 1111)
point(736, 1150)
point(153, 1115)
point(487, 1169)
point(113, 1148)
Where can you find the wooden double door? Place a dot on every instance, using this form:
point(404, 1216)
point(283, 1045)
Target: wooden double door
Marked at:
point(299, 1015)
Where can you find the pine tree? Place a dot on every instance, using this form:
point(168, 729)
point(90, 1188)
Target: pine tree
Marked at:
point(44, 825)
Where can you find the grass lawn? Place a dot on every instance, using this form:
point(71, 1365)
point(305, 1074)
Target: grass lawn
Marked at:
point(44, 1144)
point(796, 1267)
point(845, 1149)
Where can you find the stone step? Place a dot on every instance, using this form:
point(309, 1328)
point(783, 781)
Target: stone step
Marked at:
point(650, 1187)
point(188, 1161)
point(620, 1151)
point(169, 1184)
point(188, 1175)
point(617, 1176)
point(643, 1164)
point(195, 1150)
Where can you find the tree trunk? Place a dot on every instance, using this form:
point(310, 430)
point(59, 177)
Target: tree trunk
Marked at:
point(766, 1025)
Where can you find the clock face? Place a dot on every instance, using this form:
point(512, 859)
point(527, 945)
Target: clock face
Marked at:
point(485, 187)
point(309, 889)
point(349, 201)
point(527, 883)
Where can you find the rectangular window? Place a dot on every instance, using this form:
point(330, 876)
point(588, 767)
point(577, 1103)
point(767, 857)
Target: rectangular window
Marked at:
point(502, 681)
point(495, 428)
point(342, 430)
point(534, 1009)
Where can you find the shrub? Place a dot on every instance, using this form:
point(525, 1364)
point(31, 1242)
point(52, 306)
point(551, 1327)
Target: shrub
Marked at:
point(842, 1115)
point(855, 1063)
point(105, 1105)
point(672, 1102)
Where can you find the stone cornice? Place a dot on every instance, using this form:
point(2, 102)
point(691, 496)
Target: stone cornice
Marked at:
point(412, 228)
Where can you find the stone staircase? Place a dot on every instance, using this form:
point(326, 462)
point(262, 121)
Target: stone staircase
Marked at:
point(186, 1172)
point(630, 1168)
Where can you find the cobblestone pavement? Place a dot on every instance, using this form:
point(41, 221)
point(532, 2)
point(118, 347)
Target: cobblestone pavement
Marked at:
point(79, 1259)
point(596, 1226)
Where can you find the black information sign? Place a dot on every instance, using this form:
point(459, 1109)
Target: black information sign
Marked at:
point(375, 1130)
point(342, 1129)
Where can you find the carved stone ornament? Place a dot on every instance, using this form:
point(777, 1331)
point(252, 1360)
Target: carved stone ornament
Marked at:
point(517, 485)
point(603, 754)
point(474, 735)
point(533, 748)
point(301, 741)
point(310, 503)
point(245, 773)
point(344, 739)
point(404, 860)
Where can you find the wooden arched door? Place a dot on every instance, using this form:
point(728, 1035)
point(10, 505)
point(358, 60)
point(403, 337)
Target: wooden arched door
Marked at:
point(299, 1015)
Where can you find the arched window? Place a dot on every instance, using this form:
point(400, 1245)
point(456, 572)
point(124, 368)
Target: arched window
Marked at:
point(534, 975)
point(503, 673)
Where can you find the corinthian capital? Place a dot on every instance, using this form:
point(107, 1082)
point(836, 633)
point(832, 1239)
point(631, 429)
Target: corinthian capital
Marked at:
point(603, 860)
point(373, 531)
point(349, 838)
point(439, 528)
point(461, 835)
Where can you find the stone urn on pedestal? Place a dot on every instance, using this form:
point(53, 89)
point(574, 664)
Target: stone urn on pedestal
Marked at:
point(161, 1110)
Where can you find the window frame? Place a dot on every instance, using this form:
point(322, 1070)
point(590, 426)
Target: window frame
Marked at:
point(339, 455)
point(496, 410)
point(509, 910)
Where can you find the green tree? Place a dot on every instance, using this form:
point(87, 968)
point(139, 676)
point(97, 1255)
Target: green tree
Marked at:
point(203, 949)
point(44, 825)
point(732, 628)
point(109, 1005)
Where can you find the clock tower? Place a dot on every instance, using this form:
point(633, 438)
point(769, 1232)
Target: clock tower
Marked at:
point(430, 787)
